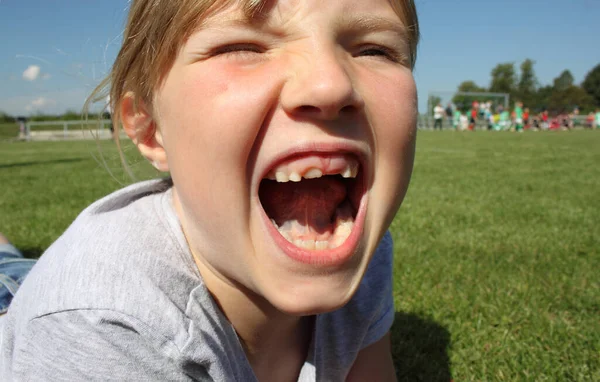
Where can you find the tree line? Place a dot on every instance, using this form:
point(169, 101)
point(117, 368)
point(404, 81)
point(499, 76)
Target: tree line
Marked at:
point(563, 95)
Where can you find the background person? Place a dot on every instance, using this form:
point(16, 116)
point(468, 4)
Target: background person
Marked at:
point(13, 269)
point(438, 116)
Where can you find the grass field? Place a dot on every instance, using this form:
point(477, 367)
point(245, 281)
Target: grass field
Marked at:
point(497, 247)
point(8, 131)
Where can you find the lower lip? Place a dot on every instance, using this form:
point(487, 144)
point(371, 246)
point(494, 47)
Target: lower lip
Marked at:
point(323, 258)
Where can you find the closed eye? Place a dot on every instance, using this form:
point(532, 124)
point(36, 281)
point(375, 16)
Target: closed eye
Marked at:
point(241, 49)
point(381, 52)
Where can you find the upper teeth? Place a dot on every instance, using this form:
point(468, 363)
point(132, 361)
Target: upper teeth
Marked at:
point(285, 175)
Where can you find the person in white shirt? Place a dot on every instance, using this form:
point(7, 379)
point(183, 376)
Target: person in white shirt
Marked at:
point(438, 116)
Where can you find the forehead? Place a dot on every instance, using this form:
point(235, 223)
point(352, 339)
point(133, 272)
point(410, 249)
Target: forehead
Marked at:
point(279, 13)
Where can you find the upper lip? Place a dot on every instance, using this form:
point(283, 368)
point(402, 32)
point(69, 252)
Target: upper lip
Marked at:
point(316, 148)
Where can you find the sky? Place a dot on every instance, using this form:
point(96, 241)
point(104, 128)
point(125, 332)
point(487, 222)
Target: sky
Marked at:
point(53, 53)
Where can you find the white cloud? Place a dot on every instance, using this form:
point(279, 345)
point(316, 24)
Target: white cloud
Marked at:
point(31, 73)
point(40, 103)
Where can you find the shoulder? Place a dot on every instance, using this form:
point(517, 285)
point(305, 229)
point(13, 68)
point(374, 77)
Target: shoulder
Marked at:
point(123, 260)
point(373, 298)
point(120, 254)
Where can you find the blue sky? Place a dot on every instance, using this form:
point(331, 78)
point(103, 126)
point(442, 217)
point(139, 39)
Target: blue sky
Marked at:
point(54, 52)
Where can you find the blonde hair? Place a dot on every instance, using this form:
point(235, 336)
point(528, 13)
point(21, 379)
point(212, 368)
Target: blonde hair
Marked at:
point(156, 30)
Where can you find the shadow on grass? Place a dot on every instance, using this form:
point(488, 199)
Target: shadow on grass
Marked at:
point(25, 164)
point(420, 349)
point(31, 253)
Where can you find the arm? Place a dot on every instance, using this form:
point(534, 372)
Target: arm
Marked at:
point(374, 363)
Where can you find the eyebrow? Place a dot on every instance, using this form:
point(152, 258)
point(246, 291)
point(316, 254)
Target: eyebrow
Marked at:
point(373, 24)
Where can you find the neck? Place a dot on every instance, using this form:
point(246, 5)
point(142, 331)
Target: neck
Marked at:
point(276, 344)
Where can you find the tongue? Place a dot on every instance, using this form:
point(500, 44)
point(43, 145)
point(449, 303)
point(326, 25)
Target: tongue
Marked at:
point(311, 203)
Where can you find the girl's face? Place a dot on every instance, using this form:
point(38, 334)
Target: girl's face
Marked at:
point(290, 140)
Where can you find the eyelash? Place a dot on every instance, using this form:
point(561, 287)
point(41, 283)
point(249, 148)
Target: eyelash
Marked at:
point(381, 51)
point(238, 49)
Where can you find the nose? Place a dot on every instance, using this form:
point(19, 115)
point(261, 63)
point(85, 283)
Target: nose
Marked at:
point(321, 85)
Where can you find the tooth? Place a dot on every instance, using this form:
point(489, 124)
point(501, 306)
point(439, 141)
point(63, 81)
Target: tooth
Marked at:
point(286, 235)
point(298, 242)
point(321, 245)
point(337, 241)
point(295, 177)
point(344, 229)
point(308, 244)
point(313, 173)
point(274, 223)
point(354, 170)
point(347, 172)
point(281, 177)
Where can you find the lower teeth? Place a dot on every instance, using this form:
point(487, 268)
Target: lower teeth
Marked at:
point(343, 227)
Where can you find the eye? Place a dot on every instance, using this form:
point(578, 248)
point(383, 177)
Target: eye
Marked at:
point(241, 49)
point(382, 52)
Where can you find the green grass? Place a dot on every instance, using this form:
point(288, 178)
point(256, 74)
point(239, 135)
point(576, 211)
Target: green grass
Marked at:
point(497, 247)
point(8, 131)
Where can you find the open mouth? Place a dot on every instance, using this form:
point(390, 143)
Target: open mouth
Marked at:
point(313, 200)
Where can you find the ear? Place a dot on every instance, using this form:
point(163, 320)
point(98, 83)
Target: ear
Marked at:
point(140, 127)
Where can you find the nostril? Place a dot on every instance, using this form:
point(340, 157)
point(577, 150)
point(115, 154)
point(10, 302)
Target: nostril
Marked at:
point(308, 109)
point(348, 109)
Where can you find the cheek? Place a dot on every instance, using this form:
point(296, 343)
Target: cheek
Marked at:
point(394, 123)
point(394, 118)
point(210, 119)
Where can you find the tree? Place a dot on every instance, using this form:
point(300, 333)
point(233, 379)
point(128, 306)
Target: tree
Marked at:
point(564, 81)
point(5, 118)
point(567, 99)
point(591, 84)
point(71, 115)
point(504, 79)
point(527, 86)
point(542, 98)
point(566, 95)
point(463, 102)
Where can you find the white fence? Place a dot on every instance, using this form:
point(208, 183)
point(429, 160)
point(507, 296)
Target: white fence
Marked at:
point(66, 130)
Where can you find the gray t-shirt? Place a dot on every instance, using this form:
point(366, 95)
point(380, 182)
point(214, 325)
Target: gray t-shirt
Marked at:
point(118, 297)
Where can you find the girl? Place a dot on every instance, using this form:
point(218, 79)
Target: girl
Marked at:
point(288, 129)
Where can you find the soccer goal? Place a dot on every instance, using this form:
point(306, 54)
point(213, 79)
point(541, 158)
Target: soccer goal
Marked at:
point(463, 102)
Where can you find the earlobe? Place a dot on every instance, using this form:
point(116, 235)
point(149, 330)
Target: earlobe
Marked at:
point(140, 127)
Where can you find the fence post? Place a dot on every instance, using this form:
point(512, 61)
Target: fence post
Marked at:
point(27, 131)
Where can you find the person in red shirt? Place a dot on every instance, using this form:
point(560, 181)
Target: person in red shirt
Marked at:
point(473, 118)
point(544, 118)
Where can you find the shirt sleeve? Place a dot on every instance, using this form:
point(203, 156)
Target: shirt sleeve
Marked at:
point(94, 345)
point(378, 282)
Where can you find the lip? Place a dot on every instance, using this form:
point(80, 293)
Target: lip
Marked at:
point(340, 255)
